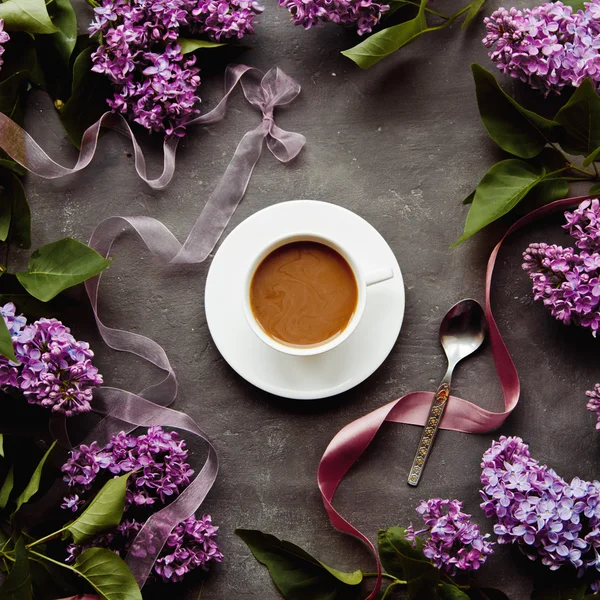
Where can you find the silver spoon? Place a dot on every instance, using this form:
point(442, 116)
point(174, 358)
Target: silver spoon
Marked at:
point(462, 331)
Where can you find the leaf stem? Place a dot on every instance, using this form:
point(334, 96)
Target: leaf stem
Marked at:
point(385, 576)
point(429, 10)
point(388, 588)
point(46, 538)
point(56, 562)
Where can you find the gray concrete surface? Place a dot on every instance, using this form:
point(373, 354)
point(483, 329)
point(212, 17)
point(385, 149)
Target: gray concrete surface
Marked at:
point(401, 145)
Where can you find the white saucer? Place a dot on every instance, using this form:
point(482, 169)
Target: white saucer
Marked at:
point(303, 377)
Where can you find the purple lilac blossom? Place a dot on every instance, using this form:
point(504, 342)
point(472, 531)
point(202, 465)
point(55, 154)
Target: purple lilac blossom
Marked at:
point(4, 37)
point(190, 545)
point(593, 404)
point(549, 46)
point(363, 14)
point(454, 543)
point(155, 83)
point(54, 370)
point(568, 281)
point(550, 519)
point(159, 459)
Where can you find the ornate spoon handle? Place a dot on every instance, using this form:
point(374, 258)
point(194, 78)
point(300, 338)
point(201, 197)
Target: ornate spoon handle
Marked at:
point(436, 412)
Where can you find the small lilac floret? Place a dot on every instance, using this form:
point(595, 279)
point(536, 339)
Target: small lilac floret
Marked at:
point(54, 370)
point(454, 543)
point(568, 281)
point(362, 14)
point(161, 474)
point(548, 46)
point(549, 519)
point(4, 37)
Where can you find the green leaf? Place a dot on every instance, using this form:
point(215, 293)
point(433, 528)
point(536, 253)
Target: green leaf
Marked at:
point(500, 190)
point(549, 190)
point(447, 591)
point(88, 98)
point(576, 5)
point(104, 511)
point(595, 189)
point(2, 445)
point(17, 585)
point(189, 45)
point(514, 128)
point(298, 575)
point(58, 266)
point(11, 165)
point(580, 117)
point(26, 15)
point(474, 10)
point(66, 22)
point(384, 42)
point(5, 213)
point(6, 345)
point(399, 556)
point(107, 574)
point(34, 483)
point(7, 488)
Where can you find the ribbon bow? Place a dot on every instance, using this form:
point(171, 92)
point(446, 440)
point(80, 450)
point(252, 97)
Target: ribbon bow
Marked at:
point(275, 88)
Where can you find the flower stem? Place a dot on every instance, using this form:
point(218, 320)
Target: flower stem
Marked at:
point(429, 10)
point(56, 562)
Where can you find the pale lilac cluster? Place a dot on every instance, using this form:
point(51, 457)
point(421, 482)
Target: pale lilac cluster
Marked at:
point(593, 404)
point(362, 14)
point(4, 37)
point(454, 543)
point(190, 545)
point(568, 281)
point(54, 370)
point(161, 473)
point(158, 457)
point(550, 519)
point(156, 84)
point(548, 46)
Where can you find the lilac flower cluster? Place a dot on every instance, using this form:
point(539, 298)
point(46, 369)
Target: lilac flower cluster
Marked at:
point(548, 46)
point(454, 543)
point(567, 281)
point(4, 37)
point(159, 459)
point(363, 14)
point(155, 82)
point(593, 404)
point(550, 519)
point(190, 545)
point(54, 370)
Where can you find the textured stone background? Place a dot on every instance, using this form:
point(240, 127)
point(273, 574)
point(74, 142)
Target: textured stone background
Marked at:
point(401, 145)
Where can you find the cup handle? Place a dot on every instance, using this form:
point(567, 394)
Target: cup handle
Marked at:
point(379, 275)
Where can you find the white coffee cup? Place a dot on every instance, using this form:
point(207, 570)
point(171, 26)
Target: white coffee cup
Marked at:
point(364, 278)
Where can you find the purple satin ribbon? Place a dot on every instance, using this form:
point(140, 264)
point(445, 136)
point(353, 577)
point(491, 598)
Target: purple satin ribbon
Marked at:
point(123, 410)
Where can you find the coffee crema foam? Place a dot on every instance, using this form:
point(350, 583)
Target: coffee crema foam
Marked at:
point(303, 293)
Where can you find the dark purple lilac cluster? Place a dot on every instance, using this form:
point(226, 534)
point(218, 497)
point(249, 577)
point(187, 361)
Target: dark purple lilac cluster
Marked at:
point(567, 281)
point(548, 46)
point(362, 14)
point(156, 84)
point(4, 37)
point(454, 543)
point(550, 519)
point(54, 370)
point(161, 473)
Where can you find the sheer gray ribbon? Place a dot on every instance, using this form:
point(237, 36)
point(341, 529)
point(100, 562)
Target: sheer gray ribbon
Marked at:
point(125, 410)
